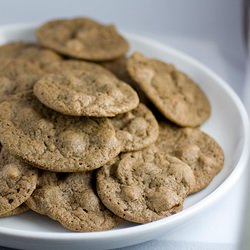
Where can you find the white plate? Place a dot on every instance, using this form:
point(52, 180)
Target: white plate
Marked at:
point(228, 124)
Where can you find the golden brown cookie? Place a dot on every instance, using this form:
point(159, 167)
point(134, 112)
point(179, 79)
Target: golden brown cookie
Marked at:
point(83, 38)
point(144, 186)
point(136, 129)
point(71, 200)
point(176, 95)
point(89, 91)
point(53, 141)
point(19, 210)
point(194, 147)
point(17, 76)
point(17, 182)
point(31, 52)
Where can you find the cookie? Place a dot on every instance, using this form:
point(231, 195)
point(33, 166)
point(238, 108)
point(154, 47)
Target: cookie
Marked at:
point(83, 38)
point(144, 186)
point(19, 210)
point(52, 141)
point(71, 200)
point(119, 68)
point(17, 76)
point(17, 182)
point(136, 129)
point(31, 52)
point(89, 91)
point(194, 147)
point(74, 65)
point(176, 95)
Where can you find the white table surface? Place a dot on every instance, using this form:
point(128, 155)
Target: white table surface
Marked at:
point(208, 30)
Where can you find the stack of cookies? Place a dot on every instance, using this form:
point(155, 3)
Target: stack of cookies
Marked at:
point(90, 137)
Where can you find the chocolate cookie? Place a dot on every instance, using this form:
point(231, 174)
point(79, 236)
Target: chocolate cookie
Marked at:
point(144, 186)
point(31, 52)
point(71, 200)
point(83, 38)
point(53, 141)
point(119, 68)
point(89, 91)
point(194, 147)
point(17, 182)
point(176, 95)
point(136, 129)
point(17, 76)
point(19, 210)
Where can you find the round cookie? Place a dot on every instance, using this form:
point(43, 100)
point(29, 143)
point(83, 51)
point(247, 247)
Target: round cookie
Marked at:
point(194, 147)
point(53, 141)
point(176, 95)
point(136, 129)
point(31, 52)
point(89, 91)
point(71, 200)
point(19, 210)
point(17, 76)
point(83, 38)
point(17, 182)
point(144, 186)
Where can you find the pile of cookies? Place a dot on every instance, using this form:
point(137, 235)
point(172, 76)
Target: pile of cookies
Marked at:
point(90, 137)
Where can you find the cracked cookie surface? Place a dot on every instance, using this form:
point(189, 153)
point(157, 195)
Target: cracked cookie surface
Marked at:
point(71, 200)
point(31, 52)
point(53, 141)
point(136, 129)
point(175, 94)
point(17, 182)
point(84, 89)
point(144, 186)
point(17, 76)
point(194, 147)
point(83, 38)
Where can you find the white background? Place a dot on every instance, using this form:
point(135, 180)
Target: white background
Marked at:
point(208, 30)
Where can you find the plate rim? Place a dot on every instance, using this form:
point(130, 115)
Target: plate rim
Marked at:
point(206, 202)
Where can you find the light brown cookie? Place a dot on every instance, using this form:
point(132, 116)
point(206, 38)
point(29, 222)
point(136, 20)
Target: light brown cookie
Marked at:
point(176, 95)
point(89, 91)
point(144, 186)
point(71, 200)
point(194, 147)
point(136, 129)
point(17, 182)
point(19, 210)
point(17, 76)
point(119, 68)
point(83, 38)
point(53, 141)
point(74, 65)
point(31, 52)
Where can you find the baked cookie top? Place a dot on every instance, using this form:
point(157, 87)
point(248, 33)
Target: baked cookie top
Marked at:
point(194, 147)
point(136, 129)
point(144, 186)
point(17, 76)
point(83, 38)
point(71, 199)
point(176, 95)
point(17, 182)
point(89, 91)
point(53, 141)
point(31, 52)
